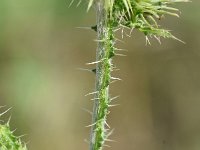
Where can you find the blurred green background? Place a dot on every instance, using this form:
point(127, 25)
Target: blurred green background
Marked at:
point(40, 51)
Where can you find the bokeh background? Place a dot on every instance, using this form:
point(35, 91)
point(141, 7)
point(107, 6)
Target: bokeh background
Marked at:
point(41, 49)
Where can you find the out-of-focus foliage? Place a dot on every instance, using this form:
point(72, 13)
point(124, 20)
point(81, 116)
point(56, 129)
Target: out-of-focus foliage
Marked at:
point(8, 141)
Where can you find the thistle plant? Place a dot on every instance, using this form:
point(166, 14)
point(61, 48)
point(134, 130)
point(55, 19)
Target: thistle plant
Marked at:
point(113, 15)
point(8, 141)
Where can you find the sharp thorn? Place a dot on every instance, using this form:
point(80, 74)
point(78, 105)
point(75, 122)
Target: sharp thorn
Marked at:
point(22, 135)
point(122, 33)
point(14, 130)
point(88, 28)
point(79, 3)
point(91, 125)
point(105, 145)
point(113, 81)
point(131, 31)
point(120, 55)
point(113, 98)
point(120, 40)
point(109, 140)
point(5, 111)
point(116, 29)
point(147, 41)
point(91, 93)
point(118, 49)
point(158, 39)
point(113, 105)
point(93, 99)
point(128, 35)
point(99, 40)
point(71, 3)
point(107, 124)
point(114, 78)
point(95, 62)
point(178, 40)
point(89, 70)
point(8, 122)
point(115, 69)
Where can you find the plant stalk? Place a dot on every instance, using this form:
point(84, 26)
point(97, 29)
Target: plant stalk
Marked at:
point(104, 54)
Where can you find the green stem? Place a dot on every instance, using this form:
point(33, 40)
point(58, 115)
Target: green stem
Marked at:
point(104, 56)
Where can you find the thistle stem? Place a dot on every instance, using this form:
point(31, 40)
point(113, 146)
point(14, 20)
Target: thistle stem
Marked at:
point(104, 54)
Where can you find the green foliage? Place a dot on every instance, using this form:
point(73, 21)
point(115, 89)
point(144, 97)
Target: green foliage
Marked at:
point(8, 141)
point(140, 14)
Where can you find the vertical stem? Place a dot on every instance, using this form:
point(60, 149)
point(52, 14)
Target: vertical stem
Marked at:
point(104, 53)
